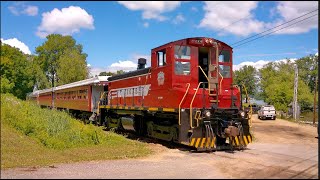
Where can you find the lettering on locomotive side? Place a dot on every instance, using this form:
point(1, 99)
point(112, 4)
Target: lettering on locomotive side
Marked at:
point(133, 91)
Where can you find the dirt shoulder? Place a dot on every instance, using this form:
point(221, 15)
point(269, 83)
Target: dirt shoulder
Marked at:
point(282, 131)
point(281, 149)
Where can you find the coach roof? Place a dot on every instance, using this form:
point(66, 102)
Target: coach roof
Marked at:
point(95, 80)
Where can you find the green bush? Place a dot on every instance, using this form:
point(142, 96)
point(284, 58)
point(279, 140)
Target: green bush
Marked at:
point(52, 128)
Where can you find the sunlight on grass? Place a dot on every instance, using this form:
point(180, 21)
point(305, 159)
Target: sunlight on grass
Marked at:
point(31, 136)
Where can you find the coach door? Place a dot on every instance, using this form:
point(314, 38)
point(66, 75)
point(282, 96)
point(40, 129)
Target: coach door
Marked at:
point(96, 91)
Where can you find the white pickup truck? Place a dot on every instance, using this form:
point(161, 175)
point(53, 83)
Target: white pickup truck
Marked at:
point(267, 111)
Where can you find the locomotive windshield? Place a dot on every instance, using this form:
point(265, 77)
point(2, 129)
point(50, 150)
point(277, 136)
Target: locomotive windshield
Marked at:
point(182, 60)
point(224, 64)
point(224, 56)
point(225, 71)
point(182, 52)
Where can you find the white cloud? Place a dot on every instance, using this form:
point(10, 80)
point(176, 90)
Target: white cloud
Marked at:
point(114, 67)
point(222, 14)
point(66, 22)
point(258, 64)
point(96, 70)
point(14, 42)
point(151, 9)
point(146, 24)
point(292, 9)
point(31, 10)
point(21, 8)
point(126, 65)
point(268, 54)
point(14, 10)
point(194, 9)
point(178, 19)
point(239, 17)
point(123, 65)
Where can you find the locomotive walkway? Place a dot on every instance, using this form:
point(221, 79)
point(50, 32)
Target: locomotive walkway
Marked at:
point(281, 149)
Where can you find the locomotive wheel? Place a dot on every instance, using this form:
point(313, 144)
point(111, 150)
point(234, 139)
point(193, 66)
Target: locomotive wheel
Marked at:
point(150, 129)
point(106, 122)
point(139, 125)
point(175, 134)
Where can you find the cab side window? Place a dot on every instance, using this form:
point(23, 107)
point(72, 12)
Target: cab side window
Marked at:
point(161, 57)
point(224, 56)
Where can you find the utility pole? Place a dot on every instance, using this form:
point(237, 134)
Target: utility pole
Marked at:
point(52, 81)
point(295, 93)
point(315, 102)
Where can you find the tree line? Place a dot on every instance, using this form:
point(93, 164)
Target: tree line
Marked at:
point(59, 60)
point(274, 82)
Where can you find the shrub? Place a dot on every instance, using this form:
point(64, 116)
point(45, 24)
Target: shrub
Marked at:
point(52, 128)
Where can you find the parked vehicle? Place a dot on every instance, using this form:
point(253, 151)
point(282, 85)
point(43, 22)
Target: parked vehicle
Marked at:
point(255, 108)
point(267, 111)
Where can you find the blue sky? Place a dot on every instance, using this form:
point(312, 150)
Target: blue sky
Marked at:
point(115, 34)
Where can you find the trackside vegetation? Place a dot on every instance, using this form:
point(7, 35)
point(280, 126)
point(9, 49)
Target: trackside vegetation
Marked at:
point(32, 136)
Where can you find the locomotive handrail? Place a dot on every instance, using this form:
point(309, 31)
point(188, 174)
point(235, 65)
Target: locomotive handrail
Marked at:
point(192, 103)
point(250, 111)
point(220, 82)
point(98, 103)
point(182, 101)
point(111, 96)
point(206, 77)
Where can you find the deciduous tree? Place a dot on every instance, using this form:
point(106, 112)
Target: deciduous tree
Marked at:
point(59, 55)
point(277, 84)
point(247, 75)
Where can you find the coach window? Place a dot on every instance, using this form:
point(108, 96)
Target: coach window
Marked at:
point(161, 55)
point(224, 56)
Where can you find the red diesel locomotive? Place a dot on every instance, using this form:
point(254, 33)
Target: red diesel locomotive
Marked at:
point(186, 96)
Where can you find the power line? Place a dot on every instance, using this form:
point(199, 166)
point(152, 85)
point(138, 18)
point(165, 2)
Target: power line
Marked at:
point(241, 19)
point(274, 27)
point(275, 31)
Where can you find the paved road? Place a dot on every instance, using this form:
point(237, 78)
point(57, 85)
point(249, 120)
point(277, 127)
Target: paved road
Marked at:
point(282, 150)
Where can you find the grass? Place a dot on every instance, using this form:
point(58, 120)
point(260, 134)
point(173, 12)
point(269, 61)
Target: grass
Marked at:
point(31, 136)
point(305, 117)
point(308, 116)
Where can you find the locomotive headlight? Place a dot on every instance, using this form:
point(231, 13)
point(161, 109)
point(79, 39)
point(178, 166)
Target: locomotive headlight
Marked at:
point(210, 41)
point(207, 114)
point(242, 114)
point(207, 40)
